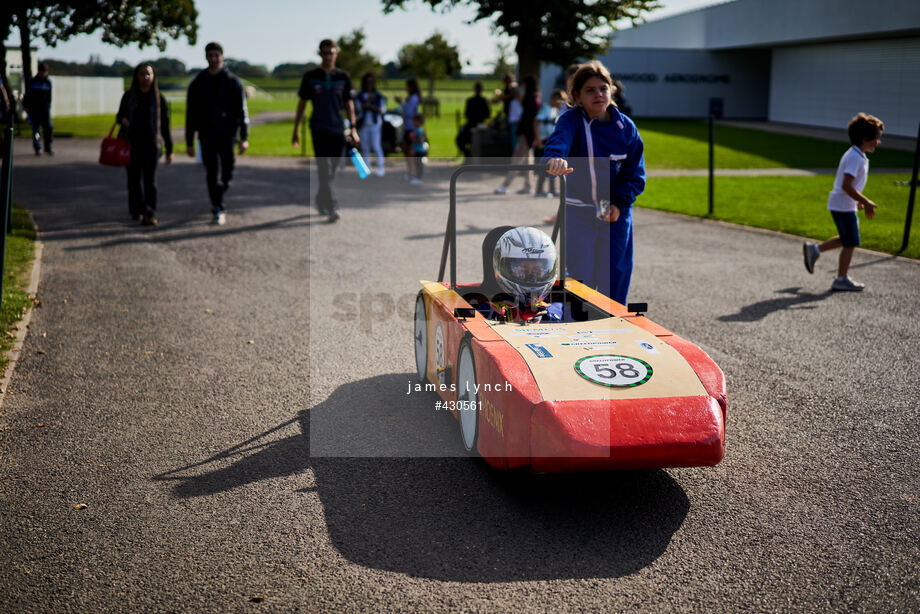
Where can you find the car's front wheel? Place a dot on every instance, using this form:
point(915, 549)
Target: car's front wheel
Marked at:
point(421, 338)
point(467, 397)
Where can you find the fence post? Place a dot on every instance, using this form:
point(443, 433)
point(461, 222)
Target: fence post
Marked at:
point(913, 194)
point(711, 162)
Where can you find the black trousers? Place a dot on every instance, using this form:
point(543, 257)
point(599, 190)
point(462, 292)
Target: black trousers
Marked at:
point(41, 122)
point(142, 180)
point(217, 156)
point(327, 147)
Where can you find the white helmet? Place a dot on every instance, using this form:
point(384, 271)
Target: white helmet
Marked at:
point(525, 264)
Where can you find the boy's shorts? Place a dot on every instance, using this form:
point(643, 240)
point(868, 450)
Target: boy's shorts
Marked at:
point(847, 227)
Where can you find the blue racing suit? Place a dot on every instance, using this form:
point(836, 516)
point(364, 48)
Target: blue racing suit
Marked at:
point(609, 166)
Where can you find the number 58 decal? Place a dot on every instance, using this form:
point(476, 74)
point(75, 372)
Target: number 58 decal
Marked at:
point(614, 370)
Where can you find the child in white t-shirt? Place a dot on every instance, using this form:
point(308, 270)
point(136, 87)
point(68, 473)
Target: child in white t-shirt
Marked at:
point(846, 198)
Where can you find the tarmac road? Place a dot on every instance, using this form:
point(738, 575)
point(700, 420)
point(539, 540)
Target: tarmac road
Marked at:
point(230, 404)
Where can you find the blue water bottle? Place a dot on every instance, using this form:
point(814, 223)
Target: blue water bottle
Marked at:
point(360, 164)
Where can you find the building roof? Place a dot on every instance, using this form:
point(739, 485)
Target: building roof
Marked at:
point(771, 23)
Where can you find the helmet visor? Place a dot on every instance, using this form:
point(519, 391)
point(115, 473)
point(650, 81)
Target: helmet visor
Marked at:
point(528, 271)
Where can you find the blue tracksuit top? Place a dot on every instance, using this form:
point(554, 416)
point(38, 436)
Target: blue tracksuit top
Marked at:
point(613, 150)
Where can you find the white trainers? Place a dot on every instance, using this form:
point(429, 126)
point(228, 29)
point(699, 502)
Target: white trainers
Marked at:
point(415, 181)
point(811, 254)
point(220, 219)
point(845, 284)
point(380, 172)
point(500, 190)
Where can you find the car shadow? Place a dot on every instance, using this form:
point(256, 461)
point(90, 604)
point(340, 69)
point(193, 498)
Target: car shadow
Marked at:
point(451, 518)
point(795, 299)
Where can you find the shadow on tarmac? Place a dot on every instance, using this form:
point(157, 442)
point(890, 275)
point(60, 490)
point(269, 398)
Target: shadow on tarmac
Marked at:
point(761, 309)
point(191, 229)
point(452, 519)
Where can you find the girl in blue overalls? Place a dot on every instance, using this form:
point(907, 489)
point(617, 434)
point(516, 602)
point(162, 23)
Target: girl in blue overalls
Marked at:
point(602, 150)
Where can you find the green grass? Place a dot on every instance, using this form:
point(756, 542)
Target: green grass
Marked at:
point(669, 144)
point(273, 139)
point(19, 253)
point(678, 144)
point(794, 205)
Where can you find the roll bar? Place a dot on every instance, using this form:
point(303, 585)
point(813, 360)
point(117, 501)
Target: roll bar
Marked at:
point(450, 234)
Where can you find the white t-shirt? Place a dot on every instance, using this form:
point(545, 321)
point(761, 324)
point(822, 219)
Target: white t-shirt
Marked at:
point(854, 162)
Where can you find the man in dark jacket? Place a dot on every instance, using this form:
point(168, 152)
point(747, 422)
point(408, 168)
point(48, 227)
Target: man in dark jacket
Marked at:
point(476, 111)
point(38, 106)
point(216, 110)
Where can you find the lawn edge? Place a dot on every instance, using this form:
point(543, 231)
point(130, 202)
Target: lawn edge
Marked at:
point(22, 326)
point(757, 229)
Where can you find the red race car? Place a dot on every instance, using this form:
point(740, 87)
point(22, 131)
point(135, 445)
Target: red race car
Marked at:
point(605, 389)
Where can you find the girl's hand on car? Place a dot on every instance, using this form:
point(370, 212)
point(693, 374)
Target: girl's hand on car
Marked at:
point(558, 166)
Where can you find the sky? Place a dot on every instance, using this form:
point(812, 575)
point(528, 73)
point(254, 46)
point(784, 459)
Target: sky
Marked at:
point(290, 30)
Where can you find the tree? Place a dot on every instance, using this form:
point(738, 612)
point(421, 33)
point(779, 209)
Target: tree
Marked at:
point(291, 70)
point(392, 70)
point(433, 59)
point(502, 66)
point(95, 68)
point(144, 22)
point(168, 67)
point(556, 31)
point(354, 59)
point(244, 69)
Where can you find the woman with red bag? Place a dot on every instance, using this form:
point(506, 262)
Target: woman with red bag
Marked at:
point(144, 116)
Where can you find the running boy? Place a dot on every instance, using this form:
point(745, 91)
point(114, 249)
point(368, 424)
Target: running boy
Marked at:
point(846, 198)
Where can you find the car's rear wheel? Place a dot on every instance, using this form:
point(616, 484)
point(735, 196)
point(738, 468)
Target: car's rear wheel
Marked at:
point(467, 398)
point(421, 338)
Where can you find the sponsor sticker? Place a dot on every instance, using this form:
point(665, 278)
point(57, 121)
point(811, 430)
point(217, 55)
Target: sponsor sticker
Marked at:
point(614, 370)
point(648, 347)
point(539, 350)
point(544, 335)
point(588, 343)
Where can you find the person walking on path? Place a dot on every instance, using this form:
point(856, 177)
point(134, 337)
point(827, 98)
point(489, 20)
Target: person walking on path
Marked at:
point(144, 116)
point(216, 111)
point(409, 110)
point(604, 150)
point(527, 133)
point(329, 88)
point(476, 108)
point(546, 121)
point(371, 106)
point(38, 106)
point(846, 198)
point(569, 74)
point(476, 111)
point(419, 148)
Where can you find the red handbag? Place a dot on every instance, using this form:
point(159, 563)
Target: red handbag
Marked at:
point(115, 151)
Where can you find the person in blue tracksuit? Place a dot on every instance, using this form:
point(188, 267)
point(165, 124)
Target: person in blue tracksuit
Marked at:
point(602, 150)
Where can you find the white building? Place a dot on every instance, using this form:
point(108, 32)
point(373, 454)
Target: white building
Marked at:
point(812, 62)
